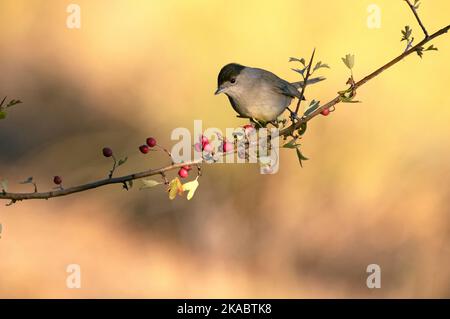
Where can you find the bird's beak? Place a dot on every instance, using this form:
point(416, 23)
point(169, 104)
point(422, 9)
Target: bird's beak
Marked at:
point(218, 91)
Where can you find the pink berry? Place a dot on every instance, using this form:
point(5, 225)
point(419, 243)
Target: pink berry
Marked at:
point(183, 173)
point(151, 142)
point(207, 148)
point(325, 112)
point(227, 147)
point(248, 128)
point(144, 149)
point(57, 180)
point(107, 152)
point(198, 147)
point(187, 167)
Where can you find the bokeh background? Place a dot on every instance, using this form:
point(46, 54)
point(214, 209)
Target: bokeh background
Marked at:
point(375, 190)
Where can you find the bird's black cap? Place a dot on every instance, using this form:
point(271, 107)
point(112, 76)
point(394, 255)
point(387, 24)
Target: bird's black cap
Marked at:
point(228, 72)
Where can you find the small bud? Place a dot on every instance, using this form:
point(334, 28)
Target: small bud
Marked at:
point(151, 142)
point(107, 152)
point(144, 149)
point(325, 112)
point(183, 173)
point(57, 180)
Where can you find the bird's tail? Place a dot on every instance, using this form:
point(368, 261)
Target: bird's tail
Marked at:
point(300, 84)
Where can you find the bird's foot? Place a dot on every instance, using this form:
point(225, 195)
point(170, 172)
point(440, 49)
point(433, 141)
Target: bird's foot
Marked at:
point(293, 116)
point(259, 124)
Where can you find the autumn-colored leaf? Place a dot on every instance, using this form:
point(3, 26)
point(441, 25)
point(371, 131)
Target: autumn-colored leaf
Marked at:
point(191, 187)
point(149, 183)
point(175, 187)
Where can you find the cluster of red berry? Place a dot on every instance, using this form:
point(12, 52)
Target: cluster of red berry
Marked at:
point(205, 145)
point(184, 171)
point(150, 143)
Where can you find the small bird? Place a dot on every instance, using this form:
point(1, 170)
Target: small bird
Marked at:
point(258, 94)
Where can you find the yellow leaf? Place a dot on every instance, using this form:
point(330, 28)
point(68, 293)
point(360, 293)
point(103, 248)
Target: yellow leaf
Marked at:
point(175, 187)
point(191, 187)
point(148, 183)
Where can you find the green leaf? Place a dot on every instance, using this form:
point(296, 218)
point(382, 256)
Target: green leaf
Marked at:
point(148, 183)
point(347, 96)
point(2, 115)
point(29, 180)
point(431, 48)
point(13, 102)
point(349, 61)
point(4, 185)
point(291, 144)
point(314, 105)
point(320, 65)
point(122, 161)
point(302, 128)
point(419, 52)
point(406, 33)
point(302, 60)
point(301, 71)
point(300, 156)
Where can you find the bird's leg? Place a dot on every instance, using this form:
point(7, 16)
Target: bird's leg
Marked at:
point(293, 115)
point(260, 124)
point(275, 123)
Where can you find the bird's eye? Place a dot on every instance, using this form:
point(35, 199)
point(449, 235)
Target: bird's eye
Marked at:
point(233, 81)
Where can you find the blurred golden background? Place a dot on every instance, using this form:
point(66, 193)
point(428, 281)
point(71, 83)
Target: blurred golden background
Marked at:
point(376, 190)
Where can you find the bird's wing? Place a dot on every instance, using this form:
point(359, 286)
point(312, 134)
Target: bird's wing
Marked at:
point(281, 86)
point(287, 89)
point(310, 81)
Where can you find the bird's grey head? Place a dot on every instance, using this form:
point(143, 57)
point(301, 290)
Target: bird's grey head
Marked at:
point(228, 78)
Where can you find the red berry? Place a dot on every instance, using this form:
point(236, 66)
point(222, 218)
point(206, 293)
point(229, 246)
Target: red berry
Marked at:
point(187, 167)
point(107, 152)
point(144, 149)
point(57, 180)
point(204, 140)
point(227, 147)
point(248, 128)
point(325, 112)
point(183, 173)
point(151, 142)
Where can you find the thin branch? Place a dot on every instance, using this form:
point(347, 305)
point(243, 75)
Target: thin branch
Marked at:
point(14, 197)
point(111, 172)
point(165, 151)
point(308, 74)
point(287, 131)
point(413, 8)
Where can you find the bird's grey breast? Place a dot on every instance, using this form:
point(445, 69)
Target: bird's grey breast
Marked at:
point(258, 94)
